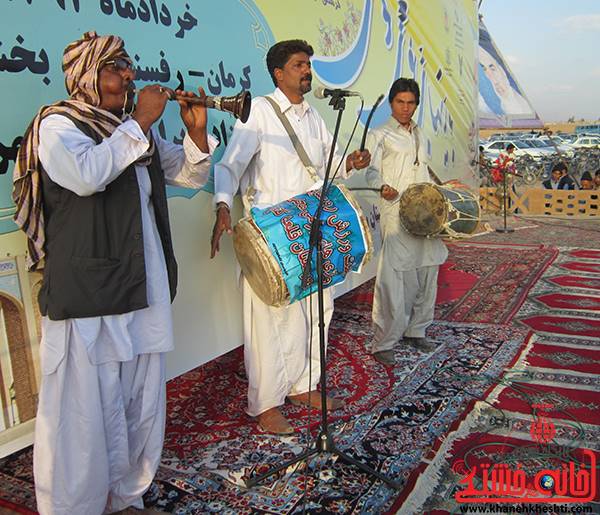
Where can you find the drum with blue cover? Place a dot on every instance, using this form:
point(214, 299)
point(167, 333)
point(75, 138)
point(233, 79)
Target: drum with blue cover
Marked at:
point(272, 244)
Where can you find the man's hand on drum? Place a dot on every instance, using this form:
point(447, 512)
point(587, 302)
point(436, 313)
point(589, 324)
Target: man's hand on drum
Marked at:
point(222, 224)
point(388, 193)
point(358, 160)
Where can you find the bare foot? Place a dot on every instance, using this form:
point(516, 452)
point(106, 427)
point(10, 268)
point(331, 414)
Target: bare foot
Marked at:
point(272, 421)
point(315, 400)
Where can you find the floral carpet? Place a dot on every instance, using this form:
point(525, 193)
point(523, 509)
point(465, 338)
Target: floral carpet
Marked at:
point(544, 415)
point(391, 420)
point(202, 474)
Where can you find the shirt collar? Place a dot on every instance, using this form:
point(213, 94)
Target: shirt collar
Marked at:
point(285, 104)
point(396, 125)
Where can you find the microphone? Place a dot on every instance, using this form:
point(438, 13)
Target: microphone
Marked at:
point(324, 92)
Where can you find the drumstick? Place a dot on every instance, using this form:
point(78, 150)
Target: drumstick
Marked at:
point(378, 190)
point(434, 176)
point(364, 137)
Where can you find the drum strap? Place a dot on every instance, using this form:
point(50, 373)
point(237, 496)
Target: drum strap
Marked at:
point(310, 169)
point(432, 174)
point(415, 135)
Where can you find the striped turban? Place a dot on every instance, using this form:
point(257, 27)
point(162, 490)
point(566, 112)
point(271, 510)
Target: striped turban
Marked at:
point(81, 64)
point(82, 60)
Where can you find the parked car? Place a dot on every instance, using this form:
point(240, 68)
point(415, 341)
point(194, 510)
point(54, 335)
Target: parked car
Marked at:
point(569, 138)
point(553, 146)
point(587, 142)
point(522, 148)
point(504, 136)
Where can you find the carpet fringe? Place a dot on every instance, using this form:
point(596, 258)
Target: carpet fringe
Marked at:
point(431, 476)
point(522, 361)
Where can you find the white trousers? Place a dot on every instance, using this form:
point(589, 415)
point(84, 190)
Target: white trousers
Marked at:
point(276, 348)
point(403, 304)
point(99, 432)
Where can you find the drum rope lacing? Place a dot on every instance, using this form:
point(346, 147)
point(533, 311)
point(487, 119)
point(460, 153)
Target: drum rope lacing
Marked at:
point(461, 216)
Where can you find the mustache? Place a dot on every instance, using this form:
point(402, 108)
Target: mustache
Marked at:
point(307, 77)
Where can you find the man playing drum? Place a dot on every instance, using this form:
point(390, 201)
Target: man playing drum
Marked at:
point(261, 160)
point(406, 284)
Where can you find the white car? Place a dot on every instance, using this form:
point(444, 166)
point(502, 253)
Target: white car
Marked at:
point(522, 148)
point(554, 142)
point(587, 142)
point(545, 143)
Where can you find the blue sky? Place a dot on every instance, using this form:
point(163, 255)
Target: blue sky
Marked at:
point(553, 48)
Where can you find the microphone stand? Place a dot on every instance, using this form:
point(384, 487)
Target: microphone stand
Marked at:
point(324, 441)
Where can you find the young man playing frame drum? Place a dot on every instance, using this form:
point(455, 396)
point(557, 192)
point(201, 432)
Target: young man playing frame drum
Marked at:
point(261, 160)
point(406, 284)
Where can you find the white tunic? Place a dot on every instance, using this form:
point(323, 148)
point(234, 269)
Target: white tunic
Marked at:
point(100, 422)
point(393, 153)
point(260, 154)
point(405, 287)
point(261, 159)
point(74, 161)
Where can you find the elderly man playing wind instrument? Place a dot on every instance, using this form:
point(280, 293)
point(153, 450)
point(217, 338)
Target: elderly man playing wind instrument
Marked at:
point(89, 186)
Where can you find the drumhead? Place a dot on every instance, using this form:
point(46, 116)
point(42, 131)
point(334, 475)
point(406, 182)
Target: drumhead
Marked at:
point(258, 265)
point(366, 230)
point(423, 210)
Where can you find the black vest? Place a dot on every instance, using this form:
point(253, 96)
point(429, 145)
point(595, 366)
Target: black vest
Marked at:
point(95, 248)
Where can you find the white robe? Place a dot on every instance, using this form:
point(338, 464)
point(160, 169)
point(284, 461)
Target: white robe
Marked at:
point(101, 411)
point(406, 283)
point(260, 156)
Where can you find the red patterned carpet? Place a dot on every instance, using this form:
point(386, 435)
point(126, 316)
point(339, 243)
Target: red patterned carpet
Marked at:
point(585, 253)
point(479, 282)
point(499, 352)
point(554, 386)
point(577, 281)
point(487, 283)
point(500, 431)
point(572, 302)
